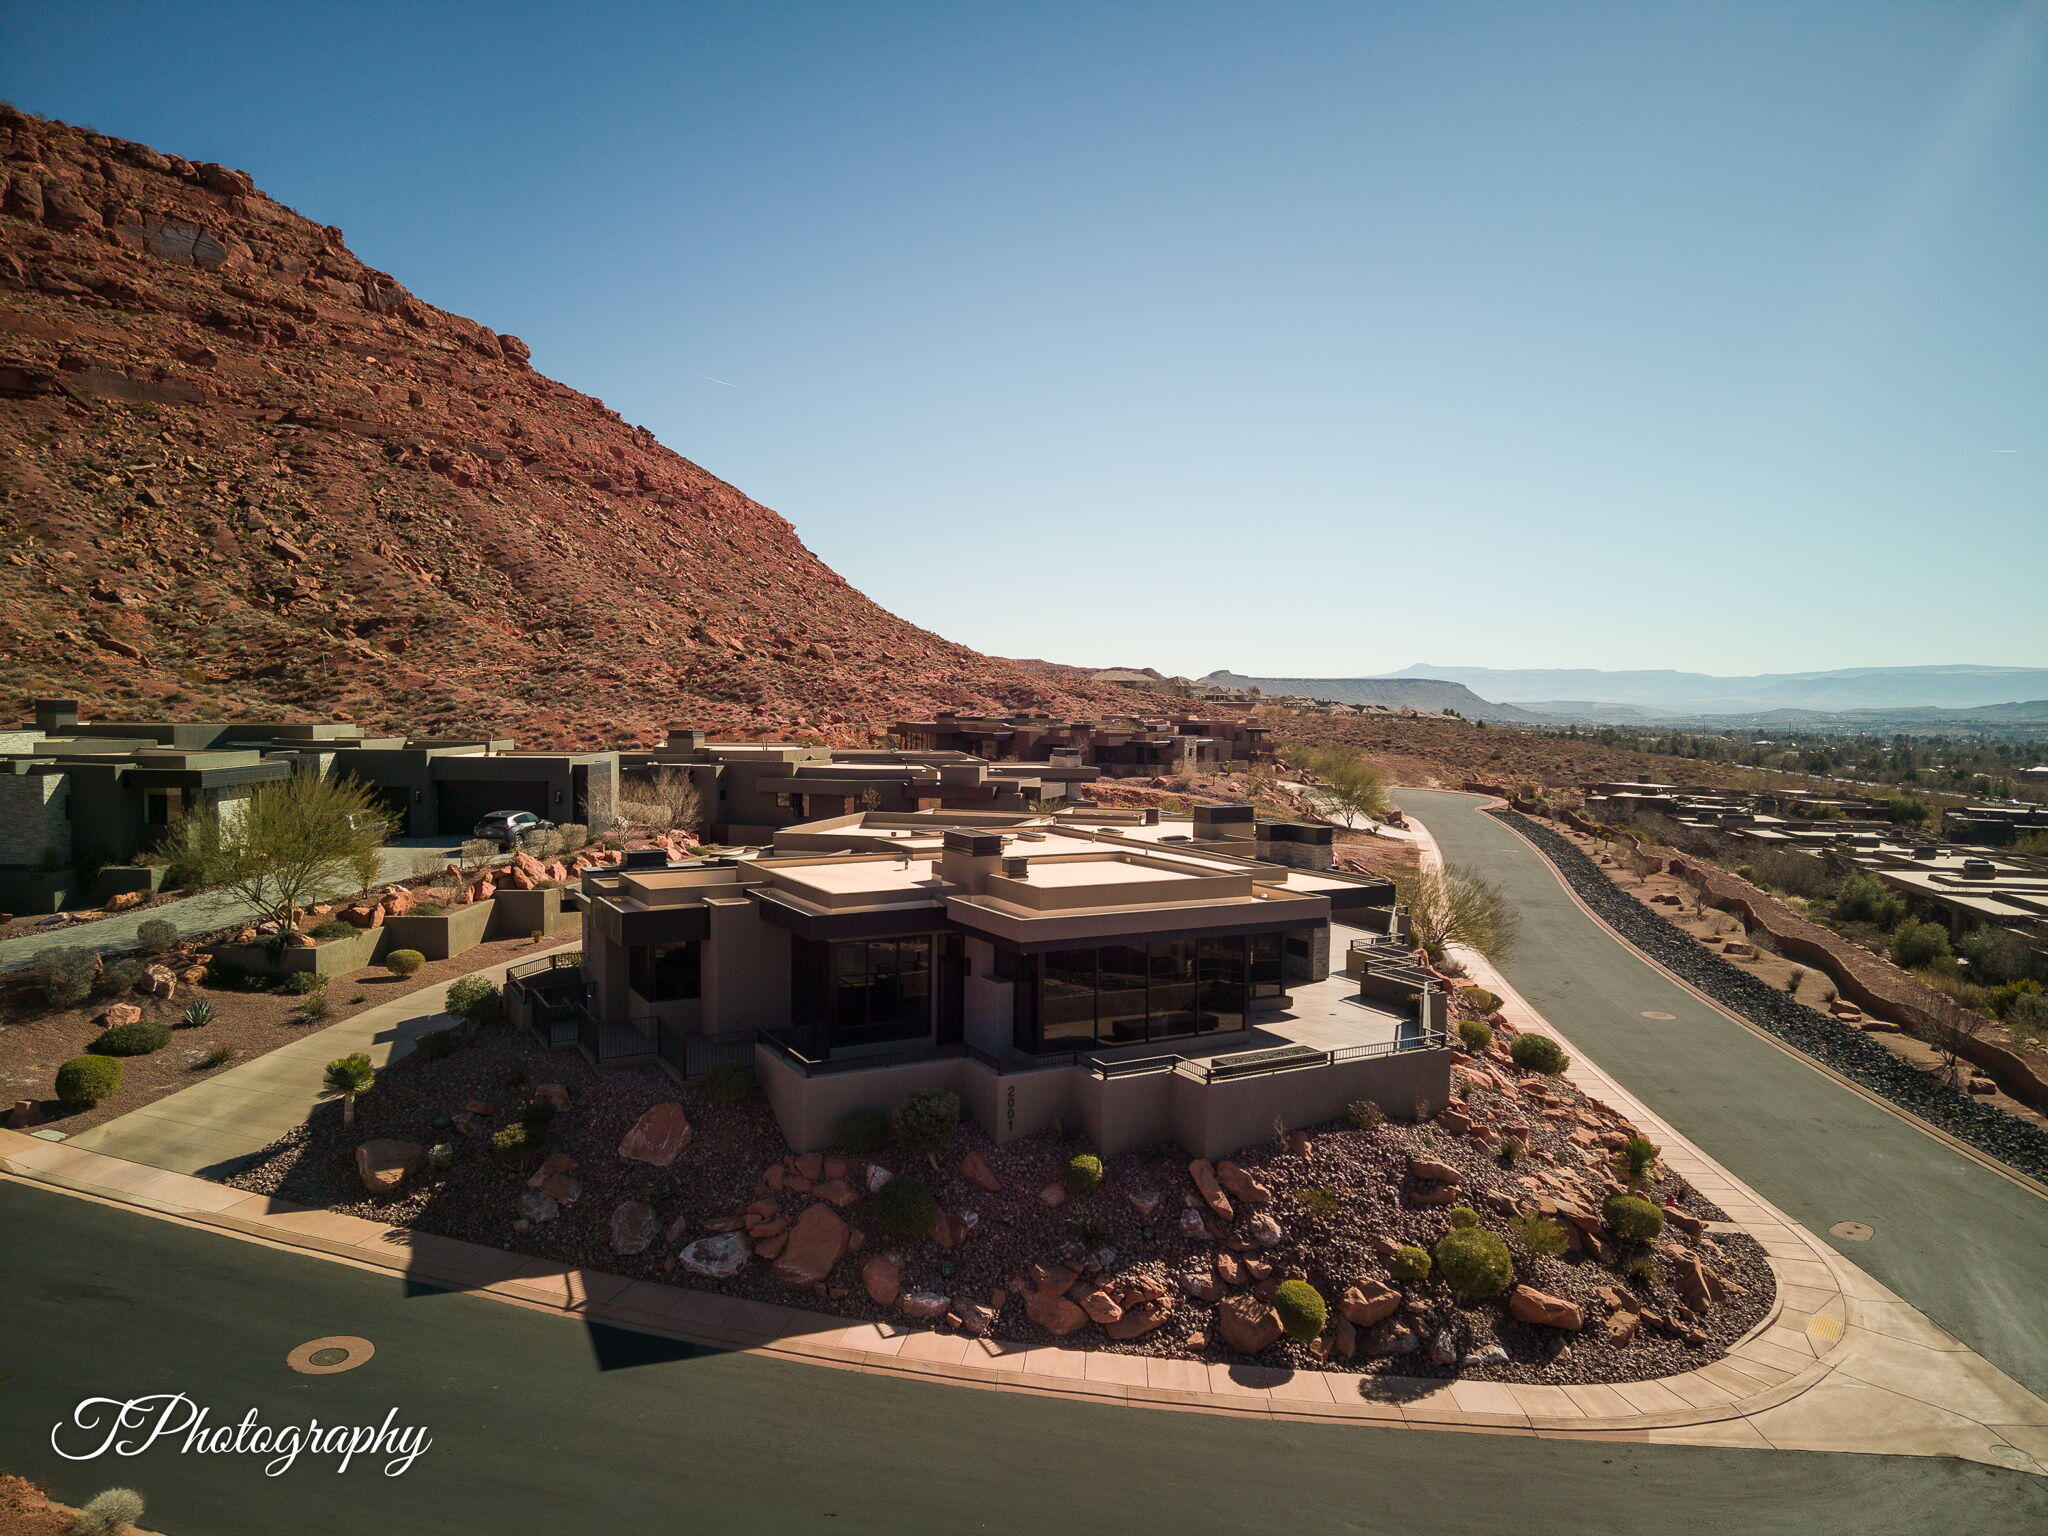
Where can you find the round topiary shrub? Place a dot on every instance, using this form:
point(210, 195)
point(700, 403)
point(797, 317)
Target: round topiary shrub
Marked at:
point(1463, 1216)
point(404, 962)
point(1632, 1218)
point(1303, 1312)
point(1409, 1264)
point(85, 1080)
point(1084, 1174)
point(1474, 1262)
point(926, 1123)
point(1479, 1000)
point(155, 936)
point(137, 1039)
point(905, 1207)
point(864, 1132)
point(1476, 1033)
point(1538, 1053)
point(728, 1082)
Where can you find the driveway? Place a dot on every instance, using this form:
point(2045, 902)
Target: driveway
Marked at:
point(1964, 1244)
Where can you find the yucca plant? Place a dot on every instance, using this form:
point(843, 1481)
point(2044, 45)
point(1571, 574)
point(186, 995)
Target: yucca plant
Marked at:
point(1636, 1159)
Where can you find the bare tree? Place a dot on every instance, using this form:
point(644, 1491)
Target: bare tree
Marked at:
point(1951, 1032)
point(667, 800)
point(1452, 906)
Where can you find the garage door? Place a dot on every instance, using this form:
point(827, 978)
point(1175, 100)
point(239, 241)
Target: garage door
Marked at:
point(466, 802)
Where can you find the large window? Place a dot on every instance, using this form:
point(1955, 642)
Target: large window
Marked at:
point(881, 990)
point(1118, 994)
point(668, 973)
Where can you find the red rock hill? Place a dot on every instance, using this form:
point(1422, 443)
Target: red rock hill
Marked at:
point(246, 474)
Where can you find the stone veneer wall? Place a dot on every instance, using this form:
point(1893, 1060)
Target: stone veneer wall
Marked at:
point(34, 826)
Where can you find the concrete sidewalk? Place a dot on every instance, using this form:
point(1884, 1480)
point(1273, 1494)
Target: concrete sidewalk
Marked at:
point(214, 1126)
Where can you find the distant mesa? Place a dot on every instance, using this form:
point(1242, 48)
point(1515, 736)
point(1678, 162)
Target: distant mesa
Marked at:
point(1424, 695)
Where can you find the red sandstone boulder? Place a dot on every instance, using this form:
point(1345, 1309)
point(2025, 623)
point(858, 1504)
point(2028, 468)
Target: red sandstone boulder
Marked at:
point(384, 1165)
point(1246, 1323)
point(1054, 1313)
point(1366, 1302)
point(1203, 1172)
point(974, 1169)
point(119, 1014)
point(816, 1243)
point(658, 1137)
point(882, 1274)
point(1544, 1310)
point(1241, 1186)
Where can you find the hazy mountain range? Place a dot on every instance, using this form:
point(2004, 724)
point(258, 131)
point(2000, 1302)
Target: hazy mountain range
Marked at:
point(1663, 694)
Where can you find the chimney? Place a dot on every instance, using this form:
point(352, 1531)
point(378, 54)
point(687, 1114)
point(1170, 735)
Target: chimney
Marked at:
point(967, 858)
point(1016, 866)
point(56, 715)
point(1225, 823)
point(684, 739)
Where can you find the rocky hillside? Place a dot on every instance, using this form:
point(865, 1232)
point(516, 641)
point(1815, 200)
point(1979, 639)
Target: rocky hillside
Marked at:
point(243, 473)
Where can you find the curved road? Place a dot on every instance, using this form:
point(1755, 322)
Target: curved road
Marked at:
point(1966, 1246)
point(539, 1424)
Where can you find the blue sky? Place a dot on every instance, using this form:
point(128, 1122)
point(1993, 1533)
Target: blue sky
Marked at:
point(1299, 339)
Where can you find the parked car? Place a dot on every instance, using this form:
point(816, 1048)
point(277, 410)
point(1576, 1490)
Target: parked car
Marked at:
point(506, 828)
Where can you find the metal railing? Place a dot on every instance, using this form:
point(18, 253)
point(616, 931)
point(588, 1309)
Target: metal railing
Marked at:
point(553, 995)
point(1223, 1069)
point(798, 1051)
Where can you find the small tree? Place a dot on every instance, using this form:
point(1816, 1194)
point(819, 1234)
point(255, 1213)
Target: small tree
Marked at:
point(666, 799)
point(344, 1079)
point(295, 840)
point(1950, 1032)
point(1450, 906)
point(1349, 784)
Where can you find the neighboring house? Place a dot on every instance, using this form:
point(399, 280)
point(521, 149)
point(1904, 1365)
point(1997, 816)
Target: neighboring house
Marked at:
point(1041, 967)
point(1124, 748)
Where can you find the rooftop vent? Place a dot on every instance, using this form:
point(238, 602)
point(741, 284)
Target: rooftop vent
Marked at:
point(1016, 866)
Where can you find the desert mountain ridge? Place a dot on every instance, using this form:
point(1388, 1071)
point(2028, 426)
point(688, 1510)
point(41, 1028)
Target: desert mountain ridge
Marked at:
point(242, 474)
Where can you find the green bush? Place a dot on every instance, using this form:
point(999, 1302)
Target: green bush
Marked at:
point(442, 1155)
point(1539, 1235)
point(117, 978)
point(1303, 1312)
point(515, 1144)
point(1365, 1115)
point(1915, 944)
point(728, 1082)
point(1462, 1216)
point(404, 962)
point(428, 909)
point(198, 1014)
point(905, 1207)
point(1084, 1173)
point(1635, 1159)
point(1538, 1053)
point(315, 1009)
point(1479, 1000)
point(137, 1039)
point(302, 983)
point(864, 1132)
point(1476, 1033)
point(227, 976)
point(156, 936)
point(88, 1079)
point(1474, 1262)
point(475, 999)
point(434, 1045)
point(108, 1513)
point(1864, 898)
point(1632, 1218)
point(334, 928)
point(1409, 1264)
point(65, 976)
point(1319, 1201)
point(926, 1123)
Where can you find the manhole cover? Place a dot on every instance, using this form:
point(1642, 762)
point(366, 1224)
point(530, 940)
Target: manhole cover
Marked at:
point(323, 1357)
point(1852, 1231)
point(1651, 1013)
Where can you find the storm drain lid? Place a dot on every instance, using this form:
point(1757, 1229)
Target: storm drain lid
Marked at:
point(323, 1357)
point(1853, 1231)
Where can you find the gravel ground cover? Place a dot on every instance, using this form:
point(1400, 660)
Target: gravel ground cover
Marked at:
point(1337, 1199)
point(1841, 1046)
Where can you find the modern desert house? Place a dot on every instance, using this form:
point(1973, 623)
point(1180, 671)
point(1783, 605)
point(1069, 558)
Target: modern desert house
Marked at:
point(1090, 966)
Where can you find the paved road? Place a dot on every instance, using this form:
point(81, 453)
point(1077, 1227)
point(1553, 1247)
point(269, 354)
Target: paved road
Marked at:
point(210, 909)
point(1967, 1247)
point(541, 1424)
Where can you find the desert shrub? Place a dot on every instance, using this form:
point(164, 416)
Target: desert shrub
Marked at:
point(227, 976)
point(118, 977)
point(1318, 1200)
point(219, 1056)
point(441, 1155)
point(1864, 898)
point(198, 1014)
point(1365, 1115)
point(1511, 1151)
point(65, 976)
point(2027, 1016)
point(1915, 944)
point(1641, 1270)
point(476, 850)
point(926, 1123)
point(1084, 1173)
point(1538, 1053)
point(1303, 1312)
point(515, 1144)
point(1479, 1000)
point(1997, 957)
point(108, 1513)
point(404, 962)
point(1539, 1235)
point(315, 1009)
point(728, 1082)
point(574, 835)
point(1476, 1033)
point(475, 999)
point(1635, 1158)
point(1409, 1264)
point(137, 1039)
point(1462, 1216)
point(434, 1045)
point(537, 1114)
point(155, 936)
point(1632, 1218)
point(302, 984)
point(1474, 1262)
point(428, 909)
point(88, 1079)
point(334, 929)
point(864, 1132)
point(905, 1207)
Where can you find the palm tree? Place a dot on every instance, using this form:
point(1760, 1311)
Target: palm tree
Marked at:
point(346, 1078)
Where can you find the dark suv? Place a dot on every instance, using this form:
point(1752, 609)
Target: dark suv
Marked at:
point(506, 828)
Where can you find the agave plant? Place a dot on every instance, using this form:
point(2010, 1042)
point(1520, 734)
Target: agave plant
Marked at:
point(198, 1013)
